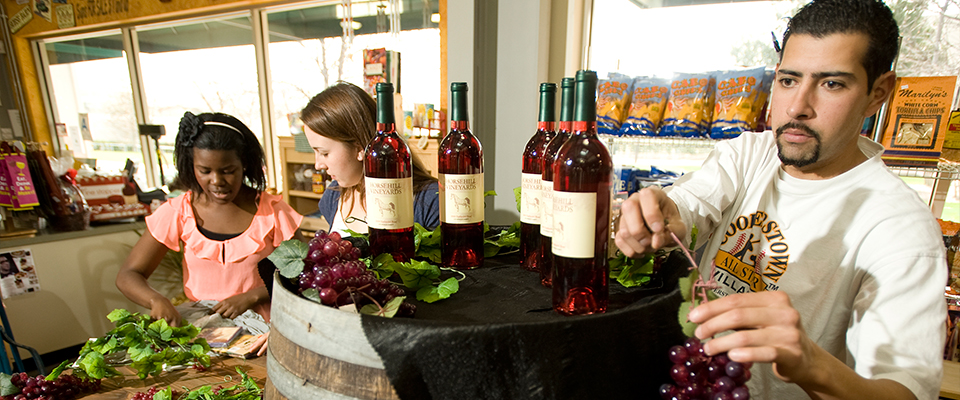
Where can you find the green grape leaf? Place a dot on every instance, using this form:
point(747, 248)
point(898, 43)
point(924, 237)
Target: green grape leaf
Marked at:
point(313, 294)
point(383, 265)
point(417, 274)
point(52, 376)
point(636, 272)
point(434, 255)
point(489, 193)
point(432, 294)
point(353, 233)
point(516, 195)
point(118, 314)
point(165, 394)
point(94, 365)
point(288, 257)
point(389, 310)
point(693, 238)
point(140, 352)
point(7, 388)
point(161, 329)
point(688, 327)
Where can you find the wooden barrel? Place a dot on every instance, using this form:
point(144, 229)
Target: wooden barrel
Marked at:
point(318, 352)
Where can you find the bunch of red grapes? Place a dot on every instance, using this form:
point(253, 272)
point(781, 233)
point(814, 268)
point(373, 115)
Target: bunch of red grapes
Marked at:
point(65, 387)
point(332, 267)
point(148, 394)
point(697, 376)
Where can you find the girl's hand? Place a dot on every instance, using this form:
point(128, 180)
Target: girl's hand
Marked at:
point(233, 306)
point(162, 308)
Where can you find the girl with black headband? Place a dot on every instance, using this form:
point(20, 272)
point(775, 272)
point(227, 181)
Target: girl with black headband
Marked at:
point(225, 220)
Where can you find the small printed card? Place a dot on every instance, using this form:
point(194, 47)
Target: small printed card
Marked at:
point(220, 336)
point(246, 346)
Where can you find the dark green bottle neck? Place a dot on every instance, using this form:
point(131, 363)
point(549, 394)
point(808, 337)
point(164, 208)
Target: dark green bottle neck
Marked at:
point(458, 105)
point(566, 104)
point(585, 105)
point(548, 104)
point(385, 108)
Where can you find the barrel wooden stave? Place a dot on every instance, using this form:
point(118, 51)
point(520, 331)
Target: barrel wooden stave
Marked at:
point(318, 352)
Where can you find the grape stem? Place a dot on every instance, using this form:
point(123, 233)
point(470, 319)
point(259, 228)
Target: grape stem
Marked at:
point(462, 275)
point(699, 287)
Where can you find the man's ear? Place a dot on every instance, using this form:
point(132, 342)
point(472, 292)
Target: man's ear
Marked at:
point(882, 88)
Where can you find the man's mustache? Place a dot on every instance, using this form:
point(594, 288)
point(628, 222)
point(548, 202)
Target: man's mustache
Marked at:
point(799, 126)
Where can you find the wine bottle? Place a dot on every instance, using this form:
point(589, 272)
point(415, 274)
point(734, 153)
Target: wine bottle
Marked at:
point(546, 180)
point(388, 184)
point(582, 180)
point(460, 168)
point(532, 171)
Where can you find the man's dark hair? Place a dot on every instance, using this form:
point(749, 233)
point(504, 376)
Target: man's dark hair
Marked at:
point(872, 18)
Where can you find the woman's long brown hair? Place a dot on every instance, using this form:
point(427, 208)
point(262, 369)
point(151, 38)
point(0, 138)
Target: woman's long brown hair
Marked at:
point(346, 113)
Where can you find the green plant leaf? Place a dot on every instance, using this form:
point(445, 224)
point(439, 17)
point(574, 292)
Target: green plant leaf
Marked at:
point(52, 376)
point(165, 394)
point(312, 294)
point(383, 265)
point(636, 272)
point(351, 232)
point(687, 282)
point(288, 257)
point(417, 274)
point(516, 195)
point(118, 314)
point(432, 294)
point(140, 352)
point(94, 365)
point(7, 388)
point(389, 310)
point(688, 327)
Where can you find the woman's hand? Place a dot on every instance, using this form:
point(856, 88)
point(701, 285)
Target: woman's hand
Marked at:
point(644, 219)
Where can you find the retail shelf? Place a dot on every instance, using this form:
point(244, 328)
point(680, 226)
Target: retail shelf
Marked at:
point(931, 173)
point(303, 193)
point(702, 143)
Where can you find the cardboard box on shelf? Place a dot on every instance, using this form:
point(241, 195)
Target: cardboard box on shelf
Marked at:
point(111, 197)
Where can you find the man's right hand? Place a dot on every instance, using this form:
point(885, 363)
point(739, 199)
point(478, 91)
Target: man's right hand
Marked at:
point(646, 220)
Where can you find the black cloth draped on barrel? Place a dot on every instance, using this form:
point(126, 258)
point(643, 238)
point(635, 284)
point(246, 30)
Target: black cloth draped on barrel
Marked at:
point(499, 338)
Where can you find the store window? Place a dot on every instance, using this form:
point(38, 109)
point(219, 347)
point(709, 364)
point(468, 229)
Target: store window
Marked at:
point(308, 52)
point(200, 66)
point(93, 100)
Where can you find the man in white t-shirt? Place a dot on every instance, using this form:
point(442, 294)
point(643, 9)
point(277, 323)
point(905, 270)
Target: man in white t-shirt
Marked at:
point(831, 269)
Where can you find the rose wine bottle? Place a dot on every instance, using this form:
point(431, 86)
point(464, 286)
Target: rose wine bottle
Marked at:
point(388, 183)
point(530, 178)
point(582, 180)
point(460, 168)
point(546, 180)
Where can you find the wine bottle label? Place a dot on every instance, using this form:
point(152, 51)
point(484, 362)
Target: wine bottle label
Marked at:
point(575, 224)
point(461, 198)
point(546, 208)
point(389, 202)
point(530, 199)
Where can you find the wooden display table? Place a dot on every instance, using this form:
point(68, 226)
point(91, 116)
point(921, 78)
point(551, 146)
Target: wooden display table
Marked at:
point(222, 372)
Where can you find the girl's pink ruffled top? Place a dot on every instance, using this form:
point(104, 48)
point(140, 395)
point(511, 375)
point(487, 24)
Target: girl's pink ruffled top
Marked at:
point(216, 270)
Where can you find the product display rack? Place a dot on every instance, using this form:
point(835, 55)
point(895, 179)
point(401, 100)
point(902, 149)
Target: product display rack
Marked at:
point(304, 202)
point(686, 154)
